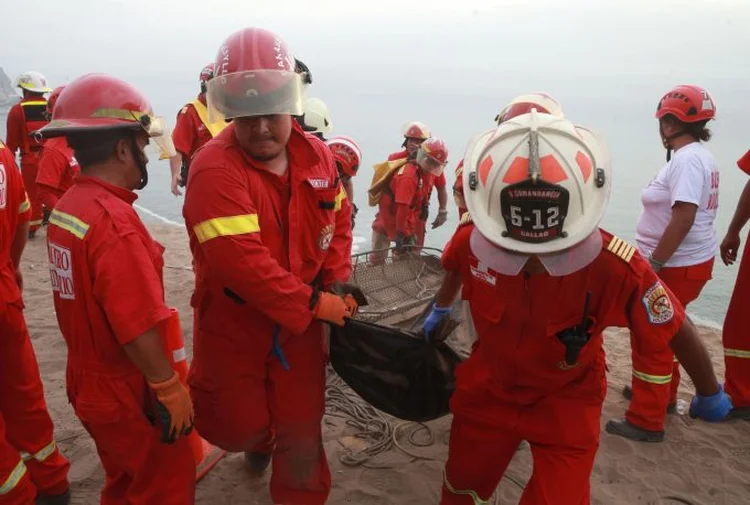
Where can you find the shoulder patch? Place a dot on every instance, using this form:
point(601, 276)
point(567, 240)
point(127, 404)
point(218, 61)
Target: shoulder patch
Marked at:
point(465, 220)
point(659, 308)
point(621, 249)
point(184, 110)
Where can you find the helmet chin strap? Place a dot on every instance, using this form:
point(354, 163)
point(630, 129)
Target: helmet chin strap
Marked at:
point(666, 141)
point(140, 159)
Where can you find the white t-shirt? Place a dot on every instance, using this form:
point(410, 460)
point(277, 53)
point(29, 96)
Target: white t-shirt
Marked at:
point(691, 177)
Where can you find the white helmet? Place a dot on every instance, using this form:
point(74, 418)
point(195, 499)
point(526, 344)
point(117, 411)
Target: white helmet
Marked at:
point(33, 81)
point(317, 119)
point(538, 185)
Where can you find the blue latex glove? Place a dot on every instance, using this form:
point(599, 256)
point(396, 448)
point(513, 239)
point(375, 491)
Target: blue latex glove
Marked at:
point(436, 314)
point(277, 350)
point(711, 408)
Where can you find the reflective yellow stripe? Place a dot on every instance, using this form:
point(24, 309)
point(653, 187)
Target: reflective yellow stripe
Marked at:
point(35, 102)
point(42, 454)
point(653, 379)
point(737, 353)
point(216, 127)
point(340, 198)
point(473, 494)
point(69, 223)
point(36, 222)
point(225, 226)
point(26, 205)
point(13, 479)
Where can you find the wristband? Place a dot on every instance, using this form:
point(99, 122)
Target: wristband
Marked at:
point(656, 264)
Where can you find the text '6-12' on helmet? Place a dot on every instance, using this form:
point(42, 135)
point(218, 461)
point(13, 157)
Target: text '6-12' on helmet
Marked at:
point(100, 102)
point(347, 154)
point(688, 103)
point(254, 76)
point(537, 184)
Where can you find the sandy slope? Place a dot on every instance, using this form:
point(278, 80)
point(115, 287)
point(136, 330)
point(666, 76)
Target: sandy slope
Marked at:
point(700, 463)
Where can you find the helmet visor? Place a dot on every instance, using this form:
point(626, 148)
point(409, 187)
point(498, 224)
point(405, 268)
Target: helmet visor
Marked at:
point(255, 93)
point(429, 164)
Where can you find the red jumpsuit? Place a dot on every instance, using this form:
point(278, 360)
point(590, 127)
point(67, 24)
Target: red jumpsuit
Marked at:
point(458, 190)
point(190, 131)
point(517, 386)
point(30, 462)
point(260, 243)
point(423, 208)
point(106, 275)
point(399, 204)
point(58, 169)
point(736, 338)
point(23, 118)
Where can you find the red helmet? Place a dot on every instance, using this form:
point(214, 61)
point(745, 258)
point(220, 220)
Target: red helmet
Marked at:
point(347, 154)
point(523, 104)
point(416, 130)
point(432, 156)
point(53, 98)
point(254, 76)
point(687, 103)
point(207, 73)
point(96, 102)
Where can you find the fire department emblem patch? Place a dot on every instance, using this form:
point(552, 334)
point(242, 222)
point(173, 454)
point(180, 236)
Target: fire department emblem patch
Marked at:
point(326, 235)
point(658, 305)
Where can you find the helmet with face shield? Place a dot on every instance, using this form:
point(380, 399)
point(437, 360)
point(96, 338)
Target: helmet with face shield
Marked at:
point(432, 156)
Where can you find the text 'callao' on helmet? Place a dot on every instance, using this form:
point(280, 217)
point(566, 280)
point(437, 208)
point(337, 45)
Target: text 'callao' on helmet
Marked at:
point(254, 76)
point(688, 103)
point(347, 154)
point(537, 184)
point(100, 102)
point(432, 156)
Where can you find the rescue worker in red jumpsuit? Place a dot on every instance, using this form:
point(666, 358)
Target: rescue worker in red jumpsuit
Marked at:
point(30, 463)
point(270, 233)
point(106, 274)
point(24, 118)
point(543, 281)
point(522, 104)
point(433, 154)
point(58, 167)
point(735, 336)
point(348, 157)
point(191, 131)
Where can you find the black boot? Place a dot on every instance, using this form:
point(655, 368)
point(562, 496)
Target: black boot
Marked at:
point(630, 431)
point(57, 499)
point(627, 393)
point(257, 462)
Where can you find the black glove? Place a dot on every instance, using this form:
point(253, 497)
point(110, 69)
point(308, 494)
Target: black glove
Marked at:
point(345, 288)
point(184, 172)
point(425, 213)
point(302, 69)
point(354, 214)
point(404, 243)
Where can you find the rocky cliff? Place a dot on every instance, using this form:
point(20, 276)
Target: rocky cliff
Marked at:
point(8, 95)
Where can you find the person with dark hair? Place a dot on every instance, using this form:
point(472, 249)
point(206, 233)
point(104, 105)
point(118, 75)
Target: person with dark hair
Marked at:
point(192, 130)
point(270, 233)
point(30, 461)
point(676, 233)
point(108, 292)
point(24, 118)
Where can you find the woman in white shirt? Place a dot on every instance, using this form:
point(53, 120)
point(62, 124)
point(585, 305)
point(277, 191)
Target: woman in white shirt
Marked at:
point(676, 233)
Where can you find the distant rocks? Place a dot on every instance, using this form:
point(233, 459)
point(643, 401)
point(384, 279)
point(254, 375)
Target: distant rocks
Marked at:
point(8, 95)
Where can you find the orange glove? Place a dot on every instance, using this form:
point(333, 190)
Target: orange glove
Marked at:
point(332, 309)
point(174, 408)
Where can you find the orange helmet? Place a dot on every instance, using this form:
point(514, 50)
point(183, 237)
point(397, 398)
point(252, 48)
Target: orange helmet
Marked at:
point(52, 99)
point(347, 154)
point(416, 130)
point(255, 76)
point(688, 103)
point(206, 75)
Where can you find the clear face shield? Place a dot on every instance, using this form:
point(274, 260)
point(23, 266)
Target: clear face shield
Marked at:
point(255, 93)
point(429, 164)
